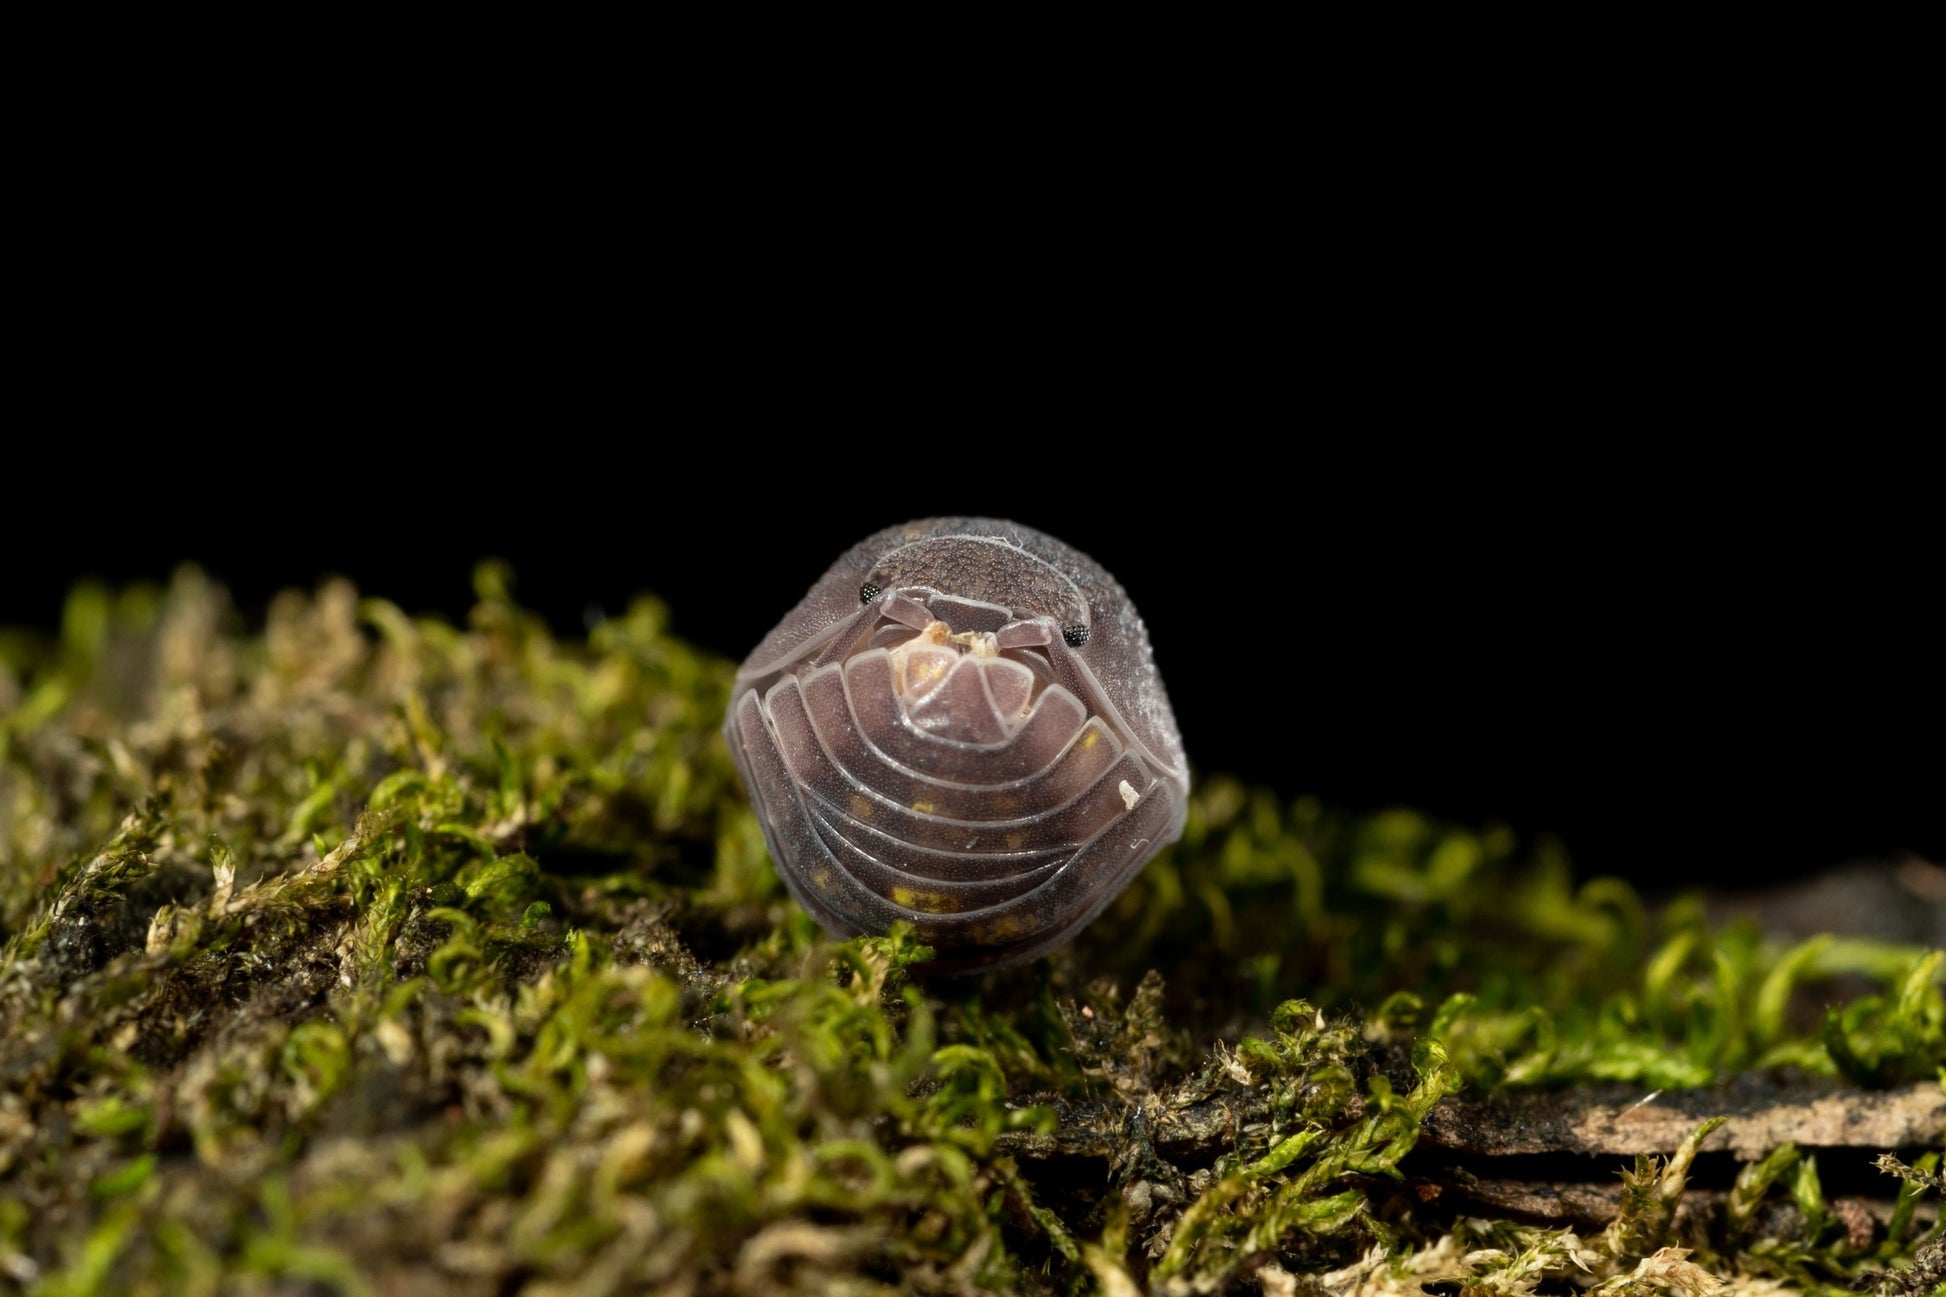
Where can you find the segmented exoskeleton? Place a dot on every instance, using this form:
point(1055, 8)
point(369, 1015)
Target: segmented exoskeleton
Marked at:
point(961, 726)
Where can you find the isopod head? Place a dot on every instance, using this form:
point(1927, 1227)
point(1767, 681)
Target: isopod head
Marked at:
point(960, 726)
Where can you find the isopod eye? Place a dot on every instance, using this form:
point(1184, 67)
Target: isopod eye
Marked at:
point(868, 592)
point(1076, 636)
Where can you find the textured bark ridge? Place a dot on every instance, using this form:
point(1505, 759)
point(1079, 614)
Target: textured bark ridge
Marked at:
point(1759, 1114)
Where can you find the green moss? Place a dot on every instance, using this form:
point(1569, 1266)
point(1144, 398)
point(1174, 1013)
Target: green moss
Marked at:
point(361, 953)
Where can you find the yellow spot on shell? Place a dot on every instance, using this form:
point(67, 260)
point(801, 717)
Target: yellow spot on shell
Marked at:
point(821, 879)
point(1089, 739)
point(1005, 928)
point(861, 807)
point(924, 808)
point(924, 902)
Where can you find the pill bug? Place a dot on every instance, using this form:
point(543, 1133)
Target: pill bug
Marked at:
point(961, 726)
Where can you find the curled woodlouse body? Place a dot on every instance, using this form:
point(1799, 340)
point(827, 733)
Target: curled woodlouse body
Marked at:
point(961, 726)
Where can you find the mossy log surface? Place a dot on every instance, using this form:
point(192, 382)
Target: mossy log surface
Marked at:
point(358, 953)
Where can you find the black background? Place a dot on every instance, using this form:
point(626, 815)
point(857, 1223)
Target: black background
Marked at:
point(1688, 666)
point(1560, 468)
